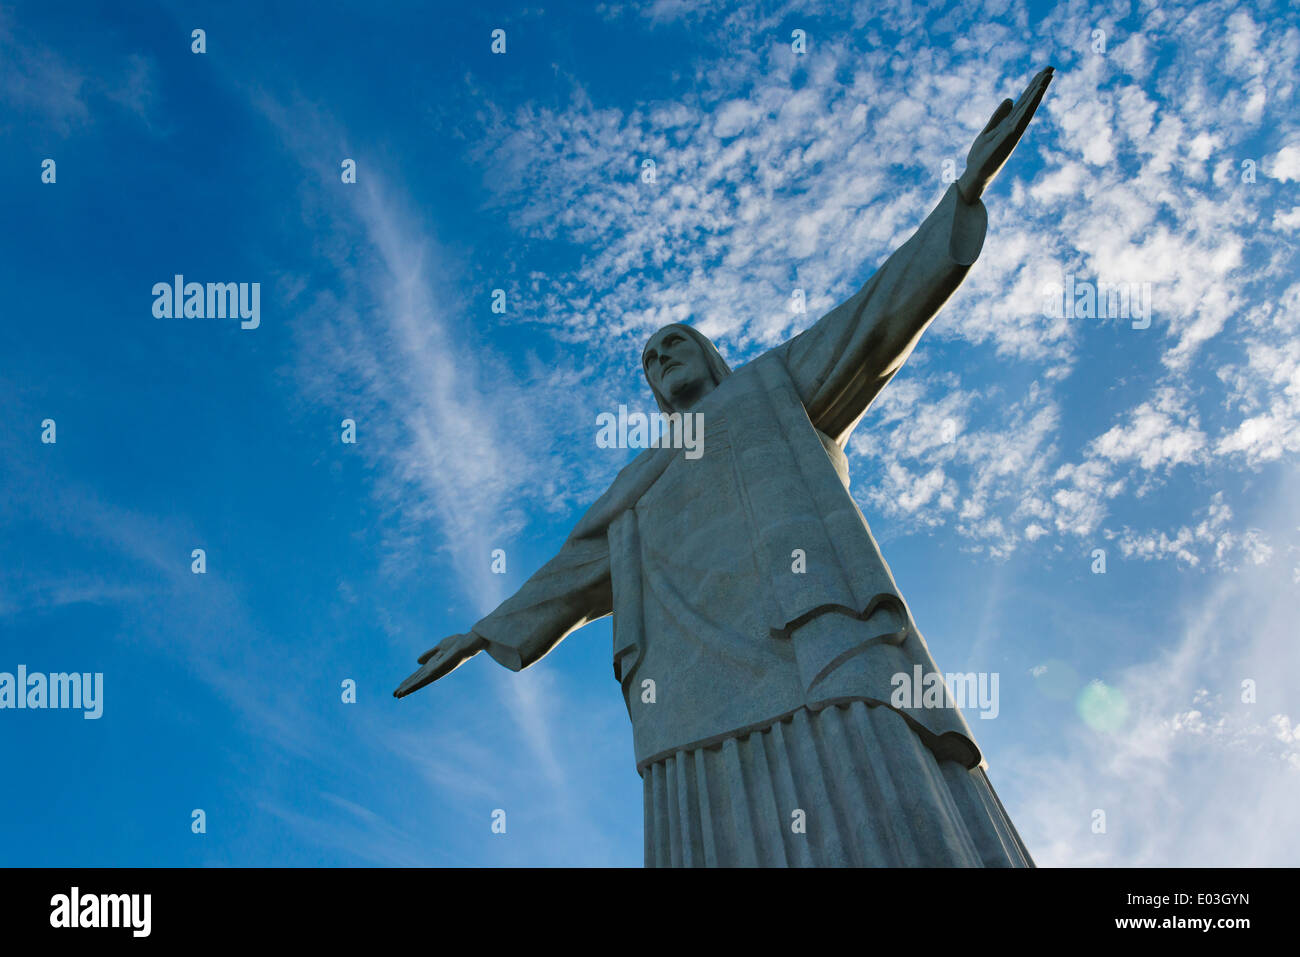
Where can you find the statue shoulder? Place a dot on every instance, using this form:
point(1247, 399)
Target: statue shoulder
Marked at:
point(628, 486)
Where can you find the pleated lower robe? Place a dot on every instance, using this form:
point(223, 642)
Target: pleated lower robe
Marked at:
point(870, 792)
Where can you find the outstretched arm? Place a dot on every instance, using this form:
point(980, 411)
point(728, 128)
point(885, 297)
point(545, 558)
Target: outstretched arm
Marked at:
point(569, 591)
point(566, 593)
point(842, 362)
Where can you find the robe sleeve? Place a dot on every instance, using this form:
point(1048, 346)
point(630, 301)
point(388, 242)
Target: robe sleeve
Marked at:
point(569, 591)
point(841, 362)
point(574, 588)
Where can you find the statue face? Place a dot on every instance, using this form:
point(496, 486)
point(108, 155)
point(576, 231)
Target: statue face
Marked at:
point(675, 365)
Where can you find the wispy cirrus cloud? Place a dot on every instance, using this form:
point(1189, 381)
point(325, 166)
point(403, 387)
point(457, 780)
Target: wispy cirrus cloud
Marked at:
point(41, 84)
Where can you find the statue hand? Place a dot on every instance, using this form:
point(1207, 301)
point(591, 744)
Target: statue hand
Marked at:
point(448, 655)
point(1000, 136)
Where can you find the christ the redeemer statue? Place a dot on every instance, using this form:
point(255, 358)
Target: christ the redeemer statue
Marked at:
point(757, 629)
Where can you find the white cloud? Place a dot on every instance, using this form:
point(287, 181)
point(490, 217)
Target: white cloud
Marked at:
point(1289, 221)
point(1285, 164)
point(1212, 534)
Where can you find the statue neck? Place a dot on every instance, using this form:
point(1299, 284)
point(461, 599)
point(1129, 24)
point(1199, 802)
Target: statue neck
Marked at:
point(688, 399)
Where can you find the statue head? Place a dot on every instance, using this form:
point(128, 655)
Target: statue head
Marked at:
point(682, 367)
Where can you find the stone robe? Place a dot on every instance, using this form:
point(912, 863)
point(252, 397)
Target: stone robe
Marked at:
point(770, 737)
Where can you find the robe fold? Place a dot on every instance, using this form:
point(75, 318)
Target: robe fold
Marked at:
point(751, 604)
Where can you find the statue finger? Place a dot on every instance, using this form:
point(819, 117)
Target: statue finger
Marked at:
point(417, 680)
point(1003, 109)
point(1029, 104)
point(1040, 81)
point(444, 664)
point(1034, 91)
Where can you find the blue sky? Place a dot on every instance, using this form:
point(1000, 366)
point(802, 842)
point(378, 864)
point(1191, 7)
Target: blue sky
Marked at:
point(1011, 446)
